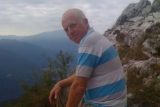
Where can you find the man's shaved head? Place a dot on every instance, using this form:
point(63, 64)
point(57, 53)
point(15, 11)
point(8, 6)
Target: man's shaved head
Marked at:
point(76, 12)
point(75, 24)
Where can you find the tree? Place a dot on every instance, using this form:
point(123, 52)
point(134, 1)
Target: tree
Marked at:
point(36, 95)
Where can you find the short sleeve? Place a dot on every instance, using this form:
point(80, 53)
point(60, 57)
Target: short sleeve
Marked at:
point(87, 61)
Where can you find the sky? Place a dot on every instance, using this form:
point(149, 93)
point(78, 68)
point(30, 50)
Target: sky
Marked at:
point(28, 17)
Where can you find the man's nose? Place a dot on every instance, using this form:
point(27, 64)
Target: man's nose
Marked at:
point(70, 30)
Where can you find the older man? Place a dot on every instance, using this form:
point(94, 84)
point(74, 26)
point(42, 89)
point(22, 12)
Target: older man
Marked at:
point(99, 78)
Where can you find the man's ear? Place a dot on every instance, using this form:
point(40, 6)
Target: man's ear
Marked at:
point(86, 21)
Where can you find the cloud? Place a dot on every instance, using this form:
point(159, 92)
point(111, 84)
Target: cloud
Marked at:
point(25, 17)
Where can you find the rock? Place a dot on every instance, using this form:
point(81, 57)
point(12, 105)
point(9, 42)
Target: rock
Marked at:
point(146, 11)
point(156, 6)
point(143, 65)
point(142, 8)
point(126, 14)
point(138, 28)
point(133, 30)
point(134, 21)
point(147, 81)
point(147, 48)
point(129, 95)
point(158, 77)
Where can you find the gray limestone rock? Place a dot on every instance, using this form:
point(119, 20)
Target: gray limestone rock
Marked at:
point(133, 10)
point(156, 6)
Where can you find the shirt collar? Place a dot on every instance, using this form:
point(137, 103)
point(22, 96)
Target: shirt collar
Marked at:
point(90, 30)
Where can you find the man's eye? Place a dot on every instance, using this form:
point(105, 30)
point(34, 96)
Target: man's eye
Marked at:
point(72, 25)
point(66, 29)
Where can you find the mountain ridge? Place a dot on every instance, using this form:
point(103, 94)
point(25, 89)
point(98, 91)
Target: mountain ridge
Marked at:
point(20, 56)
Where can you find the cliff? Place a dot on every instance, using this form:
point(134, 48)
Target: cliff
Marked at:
point(137, 37)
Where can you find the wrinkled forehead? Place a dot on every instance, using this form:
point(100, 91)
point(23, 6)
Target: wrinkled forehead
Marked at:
point(70, 13)
point(69, 18)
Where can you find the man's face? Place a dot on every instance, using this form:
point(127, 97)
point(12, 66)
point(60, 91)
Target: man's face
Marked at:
point(74, 27)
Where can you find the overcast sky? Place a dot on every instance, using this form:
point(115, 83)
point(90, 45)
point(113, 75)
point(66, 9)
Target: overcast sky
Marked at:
point(27, 17)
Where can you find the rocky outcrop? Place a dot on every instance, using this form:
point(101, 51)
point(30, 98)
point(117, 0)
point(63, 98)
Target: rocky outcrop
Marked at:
point(137, 37)
point(143, 65)
point(156, 6)
point(133, 22)
point(133, 10)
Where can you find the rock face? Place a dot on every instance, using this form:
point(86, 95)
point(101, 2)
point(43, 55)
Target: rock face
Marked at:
point(156, 6)
point(137, 37)
point(140, 9)
point(134, 29)
point(133, 22)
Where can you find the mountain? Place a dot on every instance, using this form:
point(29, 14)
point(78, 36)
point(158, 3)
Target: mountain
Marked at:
point(136, 34)
point(9, 37)
point(53, 41)
point(33, 53)
point(20, 56)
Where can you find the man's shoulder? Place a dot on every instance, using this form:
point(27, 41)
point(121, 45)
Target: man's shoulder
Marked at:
point(92, 39)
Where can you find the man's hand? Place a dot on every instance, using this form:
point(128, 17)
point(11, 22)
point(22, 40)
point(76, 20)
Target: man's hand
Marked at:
point(54, 93)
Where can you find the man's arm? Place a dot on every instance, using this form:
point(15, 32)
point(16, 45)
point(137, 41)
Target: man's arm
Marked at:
point(55, 91)
point(66, 82)
point(77, 90)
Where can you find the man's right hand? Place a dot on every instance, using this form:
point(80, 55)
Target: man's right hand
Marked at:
point(55, 91)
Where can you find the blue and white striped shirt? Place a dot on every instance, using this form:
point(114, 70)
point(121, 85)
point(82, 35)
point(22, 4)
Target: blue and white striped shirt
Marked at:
point(98, 60)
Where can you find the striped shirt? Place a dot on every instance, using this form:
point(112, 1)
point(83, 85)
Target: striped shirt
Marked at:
point(98, 60)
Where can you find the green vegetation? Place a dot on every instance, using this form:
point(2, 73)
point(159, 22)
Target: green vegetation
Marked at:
point(135, 53)
point(153, 34)
point(144, 86)
point(145, 89)
point(36, 95)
